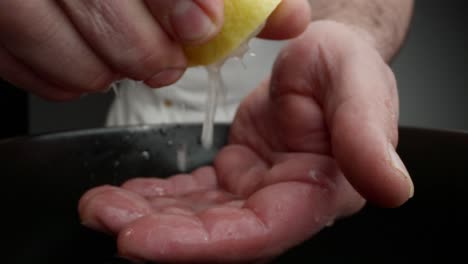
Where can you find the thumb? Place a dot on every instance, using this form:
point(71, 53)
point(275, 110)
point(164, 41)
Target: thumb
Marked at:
point(189, 21)
point(357, 92)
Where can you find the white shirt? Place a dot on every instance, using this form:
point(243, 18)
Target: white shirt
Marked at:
point(185, 101)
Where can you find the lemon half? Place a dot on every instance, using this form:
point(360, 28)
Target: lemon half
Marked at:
point(242, 19)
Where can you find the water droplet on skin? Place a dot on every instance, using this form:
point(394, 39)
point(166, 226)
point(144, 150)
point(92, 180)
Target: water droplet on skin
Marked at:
point(279, 208)
point(313, 175)
point(146, 155)
point(129, 232)
point(158, 191)
point(317, 219)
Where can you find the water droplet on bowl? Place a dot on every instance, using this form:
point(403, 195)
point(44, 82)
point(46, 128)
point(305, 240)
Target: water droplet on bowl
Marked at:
point(146, 155)
point(126, 138)
point(163, 131)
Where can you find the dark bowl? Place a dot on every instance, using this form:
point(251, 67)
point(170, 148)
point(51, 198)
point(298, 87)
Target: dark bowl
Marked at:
point(43, 177)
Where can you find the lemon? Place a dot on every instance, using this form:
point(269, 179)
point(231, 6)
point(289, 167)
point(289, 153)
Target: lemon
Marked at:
point(242, 18)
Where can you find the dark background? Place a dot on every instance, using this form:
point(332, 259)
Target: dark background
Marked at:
point(431, 70)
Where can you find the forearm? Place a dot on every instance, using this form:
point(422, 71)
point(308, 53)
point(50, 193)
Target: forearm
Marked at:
point(385, 21)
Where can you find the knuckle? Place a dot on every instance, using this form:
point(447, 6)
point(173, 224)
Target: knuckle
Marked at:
point(143, 61)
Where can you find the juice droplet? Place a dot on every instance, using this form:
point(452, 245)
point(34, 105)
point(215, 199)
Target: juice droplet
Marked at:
point(216, 89)
point(243, 64)
point(214, 77)
point(115, 87)
point(116, 90)
point(182, 158)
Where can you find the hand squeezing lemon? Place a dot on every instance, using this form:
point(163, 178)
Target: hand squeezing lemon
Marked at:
point(243, 19)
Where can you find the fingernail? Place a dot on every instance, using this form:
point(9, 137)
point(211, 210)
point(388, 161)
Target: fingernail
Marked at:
point(165, 78)
point(397, 163)
point(190, 22)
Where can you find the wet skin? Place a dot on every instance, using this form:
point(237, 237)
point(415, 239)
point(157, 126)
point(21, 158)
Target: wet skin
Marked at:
point(312, 144)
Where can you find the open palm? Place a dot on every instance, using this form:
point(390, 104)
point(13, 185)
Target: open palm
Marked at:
point(305, 149)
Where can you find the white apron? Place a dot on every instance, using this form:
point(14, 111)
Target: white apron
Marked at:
point(185, 101)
